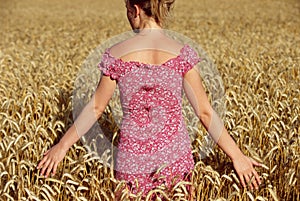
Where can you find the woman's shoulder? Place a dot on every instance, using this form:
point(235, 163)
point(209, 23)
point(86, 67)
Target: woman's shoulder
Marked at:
point(122, 48)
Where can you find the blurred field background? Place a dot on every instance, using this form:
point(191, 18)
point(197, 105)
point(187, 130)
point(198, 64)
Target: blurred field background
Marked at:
point(255, 45)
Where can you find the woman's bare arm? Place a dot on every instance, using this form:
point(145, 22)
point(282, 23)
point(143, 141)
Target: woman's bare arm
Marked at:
point(91, 112)
point(89, 115)
point(197, 96)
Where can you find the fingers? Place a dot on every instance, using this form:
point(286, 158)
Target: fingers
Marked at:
point(242, 180)
point(41, 163)
point(43, 160)
point(257, 178)
point(248, 179)
point(50, 166)
point(46, 152)
point(54, 169)
point(47, 165)
point(251, 180)
point(255, 162)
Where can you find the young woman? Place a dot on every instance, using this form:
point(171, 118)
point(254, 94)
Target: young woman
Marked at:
point(151, 69)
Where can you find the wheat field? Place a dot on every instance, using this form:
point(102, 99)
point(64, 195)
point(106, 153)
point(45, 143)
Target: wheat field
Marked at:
point(254, 44)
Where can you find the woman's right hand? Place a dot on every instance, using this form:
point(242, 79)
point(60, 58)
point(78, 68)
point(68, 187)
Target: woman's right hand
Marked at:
point(51, 159)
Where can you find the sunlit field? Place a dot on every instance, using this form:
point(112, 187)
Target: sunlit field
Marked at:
point(255, 46)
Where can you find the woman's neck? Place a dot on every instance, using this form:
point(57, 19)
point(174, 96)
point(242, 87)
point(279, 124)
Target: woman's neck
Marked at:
point(150, 27)
point(150, 24)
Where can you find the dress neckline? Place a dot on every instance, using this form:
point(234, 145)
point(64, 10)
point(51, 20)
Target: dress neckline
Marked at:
point(147, 64)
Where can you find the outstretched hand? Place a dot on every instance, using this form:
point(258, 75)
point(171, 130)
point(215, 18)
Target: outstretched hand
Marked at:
point(248, 176)
point(51, 159)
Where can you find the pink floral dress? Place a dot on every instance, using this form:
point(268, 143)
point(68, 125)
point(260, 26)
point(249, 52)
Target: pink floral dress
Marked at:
point(154, 145)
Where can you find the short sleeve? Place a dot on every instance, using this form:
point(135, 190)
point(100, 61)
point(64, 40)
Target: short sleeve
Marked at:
point(190, 58)
point(107, 65)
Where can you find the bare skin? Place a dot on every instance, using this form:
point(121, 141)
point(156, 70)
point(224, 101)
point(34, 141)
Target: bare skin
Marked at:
point(194, 89)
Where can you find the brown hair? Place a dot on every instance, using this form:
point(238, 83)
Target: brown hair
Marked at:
point(158, 9)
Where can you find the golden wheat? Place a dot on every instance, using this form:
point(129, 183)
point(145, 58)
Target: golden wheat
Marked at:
point(254, 44)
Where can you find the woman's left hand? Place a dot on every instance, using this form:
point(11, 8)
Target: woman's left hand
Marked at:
point(248, 176)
